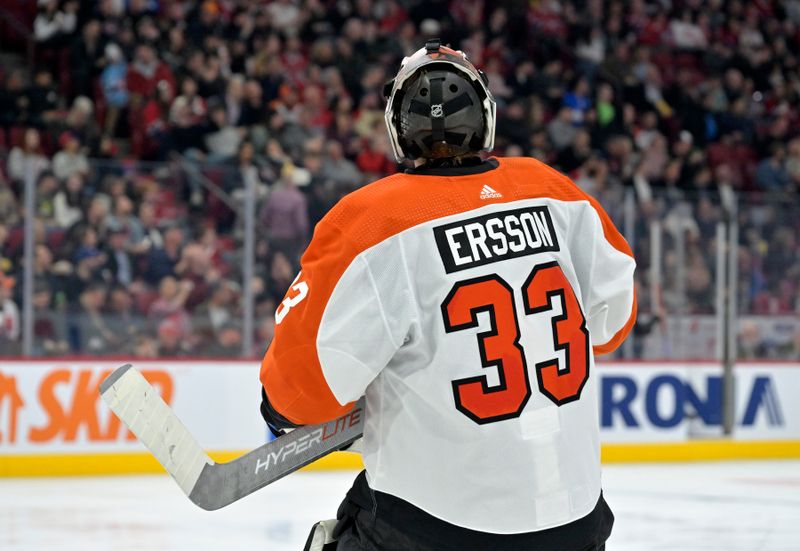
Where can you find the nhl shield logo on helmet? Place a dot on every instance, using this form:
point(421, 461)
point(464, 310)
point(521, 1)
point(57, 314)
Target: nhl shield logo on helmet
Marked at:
point(437, 112)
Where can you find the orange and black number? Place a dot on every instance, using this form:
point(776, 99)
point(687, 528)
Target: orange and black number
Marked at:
point(562, 386)
point(499, 347)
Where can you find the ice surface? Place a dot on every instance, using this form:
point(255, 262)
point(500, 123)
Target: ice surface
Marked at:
point(693, 507)
point(727, 506)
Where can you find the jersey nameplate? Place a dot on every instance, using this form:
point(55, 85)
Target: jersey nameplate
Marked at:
point(495, 237)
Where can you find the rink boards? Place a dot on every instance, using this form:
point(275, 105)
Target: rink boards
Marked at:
point(52, 421)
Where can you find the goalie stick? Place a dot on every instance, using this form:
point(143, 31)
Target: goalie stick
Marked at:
point(208, 484)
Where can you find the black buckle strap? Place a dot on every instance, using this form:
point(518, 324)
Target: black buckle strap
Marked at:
point(433, 45)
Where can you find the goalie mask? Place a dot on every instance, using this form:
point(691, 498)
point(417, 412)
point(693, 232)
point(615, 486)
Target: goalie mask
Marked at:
point(439, 106)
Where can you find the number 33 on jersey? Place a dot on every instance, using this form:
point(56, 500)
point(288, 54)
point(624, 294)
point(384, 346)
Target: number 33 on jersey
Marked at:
point(500, 346)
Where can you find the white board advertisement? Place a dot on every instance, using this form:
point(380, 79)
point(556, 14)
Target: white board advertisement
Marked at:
point(53, 406)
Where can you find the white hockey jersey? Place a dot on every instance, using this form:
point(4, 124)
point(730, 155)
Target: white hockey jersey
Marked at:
point(468, 309)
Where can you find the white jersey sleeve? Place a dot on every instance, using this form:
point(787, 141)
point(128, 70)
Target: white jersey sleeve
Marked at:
point(604, 268)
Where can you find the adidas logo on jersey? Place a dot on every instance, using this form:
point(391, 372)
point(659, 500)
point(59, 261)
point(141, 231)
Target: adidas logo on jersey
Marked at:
point(489, 193)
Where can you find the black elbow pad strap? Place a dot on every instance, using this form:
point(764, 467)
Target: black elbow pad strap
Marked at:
point(275, 420)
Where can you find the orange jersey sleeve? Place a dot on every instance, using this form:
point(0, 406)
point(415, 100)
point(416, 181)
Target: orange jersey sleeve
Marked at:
point(291, 371)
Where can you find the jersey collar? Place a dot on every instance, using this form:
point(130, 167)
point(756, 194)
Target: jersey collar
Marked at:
point(477, 167)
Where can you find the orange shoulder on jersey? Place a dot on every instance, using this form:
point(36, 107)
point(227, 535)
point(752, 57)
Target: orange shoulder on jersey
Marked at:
point(291, 371)
point(611, 235)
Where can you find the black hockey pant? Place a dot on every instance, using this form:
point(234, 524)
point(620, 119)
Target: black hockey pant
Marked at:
point(366, 533)
point(372, 521)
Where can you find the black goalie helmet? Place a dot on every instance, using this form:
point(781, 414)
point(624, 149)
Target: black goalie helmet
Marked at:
point(439, 106)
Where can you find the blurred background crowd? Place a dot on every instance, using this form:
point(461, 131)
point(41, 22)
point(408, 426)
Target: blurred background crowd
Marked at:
point(139, 121)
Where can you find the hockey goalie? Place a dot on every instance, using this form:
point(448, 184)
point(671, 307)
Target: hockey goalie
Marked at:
point(466, 300)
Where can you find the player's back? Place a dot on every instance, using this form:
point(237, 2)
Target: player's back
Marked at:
point(484, 291)
point(467, 305)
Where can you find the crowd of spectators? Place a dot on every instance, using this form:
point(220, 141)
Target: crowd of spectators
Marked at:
point(141, 120)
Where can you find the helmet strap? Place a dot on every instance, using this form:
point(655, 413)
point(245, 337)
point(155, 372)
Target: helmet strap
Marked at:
point(437, 110)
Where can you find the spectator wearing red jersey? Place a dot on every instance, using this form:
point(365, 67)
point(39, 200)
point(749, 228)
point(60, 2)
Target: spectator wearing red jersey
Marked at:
point(150, 128)
point(374, 158)
point(145, 73)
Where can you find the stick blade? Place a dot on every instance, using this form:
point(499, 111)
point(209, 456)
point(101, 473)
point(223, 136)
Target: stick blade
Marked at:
point(140, 407)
